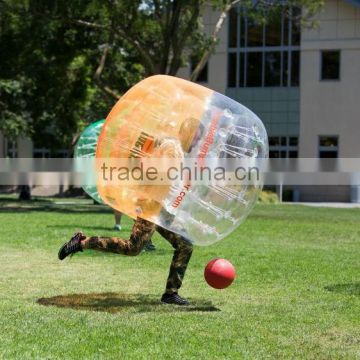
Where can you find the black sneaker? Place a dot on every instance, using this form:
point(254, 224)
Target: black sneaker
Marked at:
point(149, 246)
point(71, 247)
point(173, 298)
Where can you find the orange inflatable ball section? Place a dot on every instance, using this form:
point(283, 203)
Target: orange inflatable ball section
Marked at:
point(168, 117)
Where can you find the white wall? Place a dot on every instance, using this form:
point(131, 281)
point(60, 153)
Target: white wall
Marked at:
point(331, 107)
point(25, 148)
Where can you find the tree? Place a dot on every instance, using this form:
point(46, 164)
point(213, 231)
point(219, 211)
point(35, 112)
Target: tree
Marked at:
point(46, 76)
point(161, 34)
point(40, 76)
point(63, 56)
point(155, 32)
point(14, 117)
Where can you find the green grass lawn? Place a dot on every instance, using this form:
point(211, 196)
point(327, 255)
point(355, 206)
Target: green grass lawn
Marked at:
point(297, 292)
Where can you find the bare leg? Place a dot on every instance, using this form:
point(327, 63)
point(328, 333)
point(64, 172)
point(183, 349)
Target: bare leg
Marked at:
point(117, 215)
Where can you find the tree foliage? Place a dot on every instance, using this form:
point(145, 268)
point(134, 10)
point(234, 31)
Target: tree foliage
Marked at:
point(62, 61)
point(161, 34)
point(46, 76)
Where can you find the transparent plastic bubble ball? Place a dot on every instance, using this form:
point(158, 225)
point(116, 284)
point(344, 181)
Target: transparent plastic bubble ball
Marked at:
point(172, 117)
point(85, 148)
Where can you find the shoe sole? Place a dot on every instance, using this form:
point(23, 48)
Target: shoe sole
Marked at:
point(164, 302)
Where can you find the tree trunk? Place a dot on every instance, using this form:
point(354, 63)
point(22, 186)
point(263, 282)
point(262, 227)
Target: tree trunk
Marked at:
point(25, 193)
point(214, 37)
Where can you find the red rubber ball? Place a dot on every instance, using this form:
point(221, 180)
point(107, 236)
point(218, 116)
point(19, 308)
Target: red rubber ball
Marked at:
point(219, 273)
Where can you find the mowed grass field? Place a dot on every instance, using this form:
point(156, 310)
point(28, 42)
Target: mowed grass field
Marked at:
point(296, 296)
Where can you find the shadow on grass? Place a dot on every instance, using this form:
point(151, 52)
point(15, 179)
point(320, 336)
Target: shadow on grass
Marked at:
point(117, 302)
point(91, 228)
point(347, 289)
point(50, 207)
point(17, 200)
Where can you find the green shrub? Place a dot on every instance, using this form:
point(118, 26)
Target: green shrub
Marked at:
point(268, 197)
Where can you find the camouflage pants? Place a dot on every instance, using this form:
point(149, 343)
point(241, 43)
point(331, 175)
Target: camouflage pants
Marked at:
point(141, 234)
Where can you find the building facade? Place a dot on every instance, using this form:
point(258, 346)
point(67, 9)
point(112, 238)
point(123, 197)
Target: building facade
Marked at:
point(304, 83)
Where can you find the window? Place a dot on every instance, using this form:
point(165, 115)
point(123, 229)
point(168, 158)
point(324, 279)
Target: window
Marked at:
point(254, 63)
point(293, 141)
point(273, 35)
point(11, 149)
point(328, 146)
point(203, 76)
point(274, 141)
point(254, 34)
point(41, 153)
point(330, 65)
point(62, 154)
point(283, 147)
point(264, 54)
point(295, 25)
point(272, 68)
point(241, 70)
point(295, 66)
point(233, 21)
point(285, 68)
point(232, 70)
point(242, 26)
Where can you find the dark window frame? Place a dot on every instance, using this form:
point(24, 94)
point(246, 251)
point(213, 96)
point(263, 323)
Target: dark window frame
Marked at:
point(289, 75)
point(12, 149)
point(280, 146)
point(322, 53)
point(327, 150)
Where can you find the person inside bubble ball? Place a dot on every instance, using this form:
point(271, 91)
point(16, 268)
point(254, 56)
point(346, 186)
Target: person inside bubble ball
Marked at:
point(142, 231)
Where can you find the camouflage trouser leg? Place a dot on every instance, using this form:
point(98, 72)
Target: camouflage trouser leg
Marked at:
point(140, 235)
point(180, 260)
